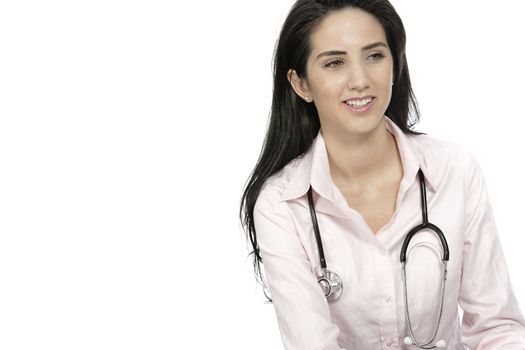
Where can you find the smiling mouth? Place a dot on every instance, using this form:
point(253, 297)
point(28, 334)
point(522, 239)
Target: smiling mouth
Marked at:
point(359, 103)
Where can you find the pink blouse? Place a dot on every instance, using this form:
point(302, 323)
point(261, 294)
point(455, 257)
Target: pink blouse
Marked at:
point(370, 314)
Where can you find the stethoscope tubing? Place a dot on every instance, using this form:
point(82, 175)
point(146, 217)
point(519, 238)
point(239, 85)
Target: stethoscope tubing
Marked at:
point(316, 229)
point(332, 283)
point(419, 344)
point(424, 225)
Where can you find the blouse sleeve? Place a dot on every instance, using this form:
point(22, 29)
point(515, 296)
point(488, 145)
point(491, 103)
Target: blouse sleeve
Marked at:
point(492, 318)
point(300, 305)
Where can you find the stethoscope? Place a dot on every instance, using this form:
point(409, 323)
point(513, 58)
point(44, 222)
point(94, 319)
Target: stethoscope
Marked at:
point(332, 285)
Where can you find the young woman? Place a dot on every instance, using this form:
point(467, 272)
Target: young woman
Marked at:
point(371, 234)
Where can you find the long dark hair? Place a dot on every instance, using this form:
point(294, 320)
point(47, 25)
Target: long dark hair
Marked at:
point(294, 123)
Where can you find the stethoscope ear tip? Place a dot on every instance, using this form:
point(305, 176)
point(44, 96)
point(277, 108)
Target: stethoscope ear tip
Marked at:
point(441, 344)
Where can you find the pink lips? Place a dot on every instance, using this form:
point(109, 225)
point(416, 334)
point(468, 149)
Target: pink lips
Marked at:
point(360, 108)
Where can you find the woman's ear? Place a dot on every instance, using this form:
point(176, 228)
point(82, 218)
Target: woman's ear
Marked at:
point(300, 86)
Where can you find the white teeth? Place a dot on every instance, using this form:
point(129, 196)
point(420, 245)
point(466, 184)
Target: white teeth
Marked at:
point(359, 103)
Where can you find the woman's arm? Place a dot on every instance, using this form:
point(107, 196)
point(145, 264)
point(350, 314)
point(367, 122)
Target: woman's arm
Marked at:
point(492, 318)
point(301, 307)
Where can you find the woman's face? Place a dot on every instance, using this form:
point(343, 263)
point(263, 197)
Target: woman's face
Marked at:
point(350, 59)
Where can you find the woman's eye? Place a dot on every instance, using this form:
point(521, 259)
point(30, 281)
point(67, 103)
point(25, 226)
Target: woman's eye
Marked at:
point(377, 56)
point(332, 64)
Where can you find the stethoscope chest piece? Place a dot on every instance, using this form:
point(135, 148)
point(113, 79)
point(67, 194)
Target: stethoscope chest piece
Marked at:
point(331, 284)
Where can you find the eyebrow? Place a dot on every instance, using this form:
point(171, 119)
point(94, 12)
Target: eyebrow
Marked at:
point(338, 52)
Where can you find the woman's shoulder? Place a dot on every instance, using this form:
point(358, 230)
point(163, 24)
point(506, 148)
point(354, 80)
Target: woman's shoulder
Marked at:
point(274, 186)
point(448, 162)
point(440, 150)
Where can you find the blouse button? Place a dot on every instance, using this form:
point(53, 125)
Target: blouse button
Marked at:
point(389, 342)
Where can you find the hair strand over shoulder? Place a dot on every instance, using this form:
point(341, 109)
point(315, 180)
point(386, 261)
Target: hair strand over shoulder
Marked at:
point(294, 123)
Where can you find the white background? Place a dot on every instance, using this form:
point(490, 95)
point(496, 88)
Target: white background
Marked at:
point(128, 130)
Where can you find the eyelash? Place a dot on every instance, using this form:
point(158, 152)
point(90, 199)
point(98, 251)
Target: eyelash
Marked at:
point(378, 55)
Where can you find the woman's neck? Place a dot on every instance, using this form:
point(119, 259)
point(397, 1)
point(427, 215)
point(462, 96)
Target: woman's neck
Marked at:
point(366, 163)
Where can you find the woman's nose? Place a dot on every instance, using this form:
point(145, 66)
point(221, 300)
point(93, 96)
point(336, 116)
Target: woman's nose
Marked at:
point(357, 77)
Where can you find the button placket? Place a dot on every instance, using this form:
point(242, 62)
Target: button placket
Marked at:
point(388, 318)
